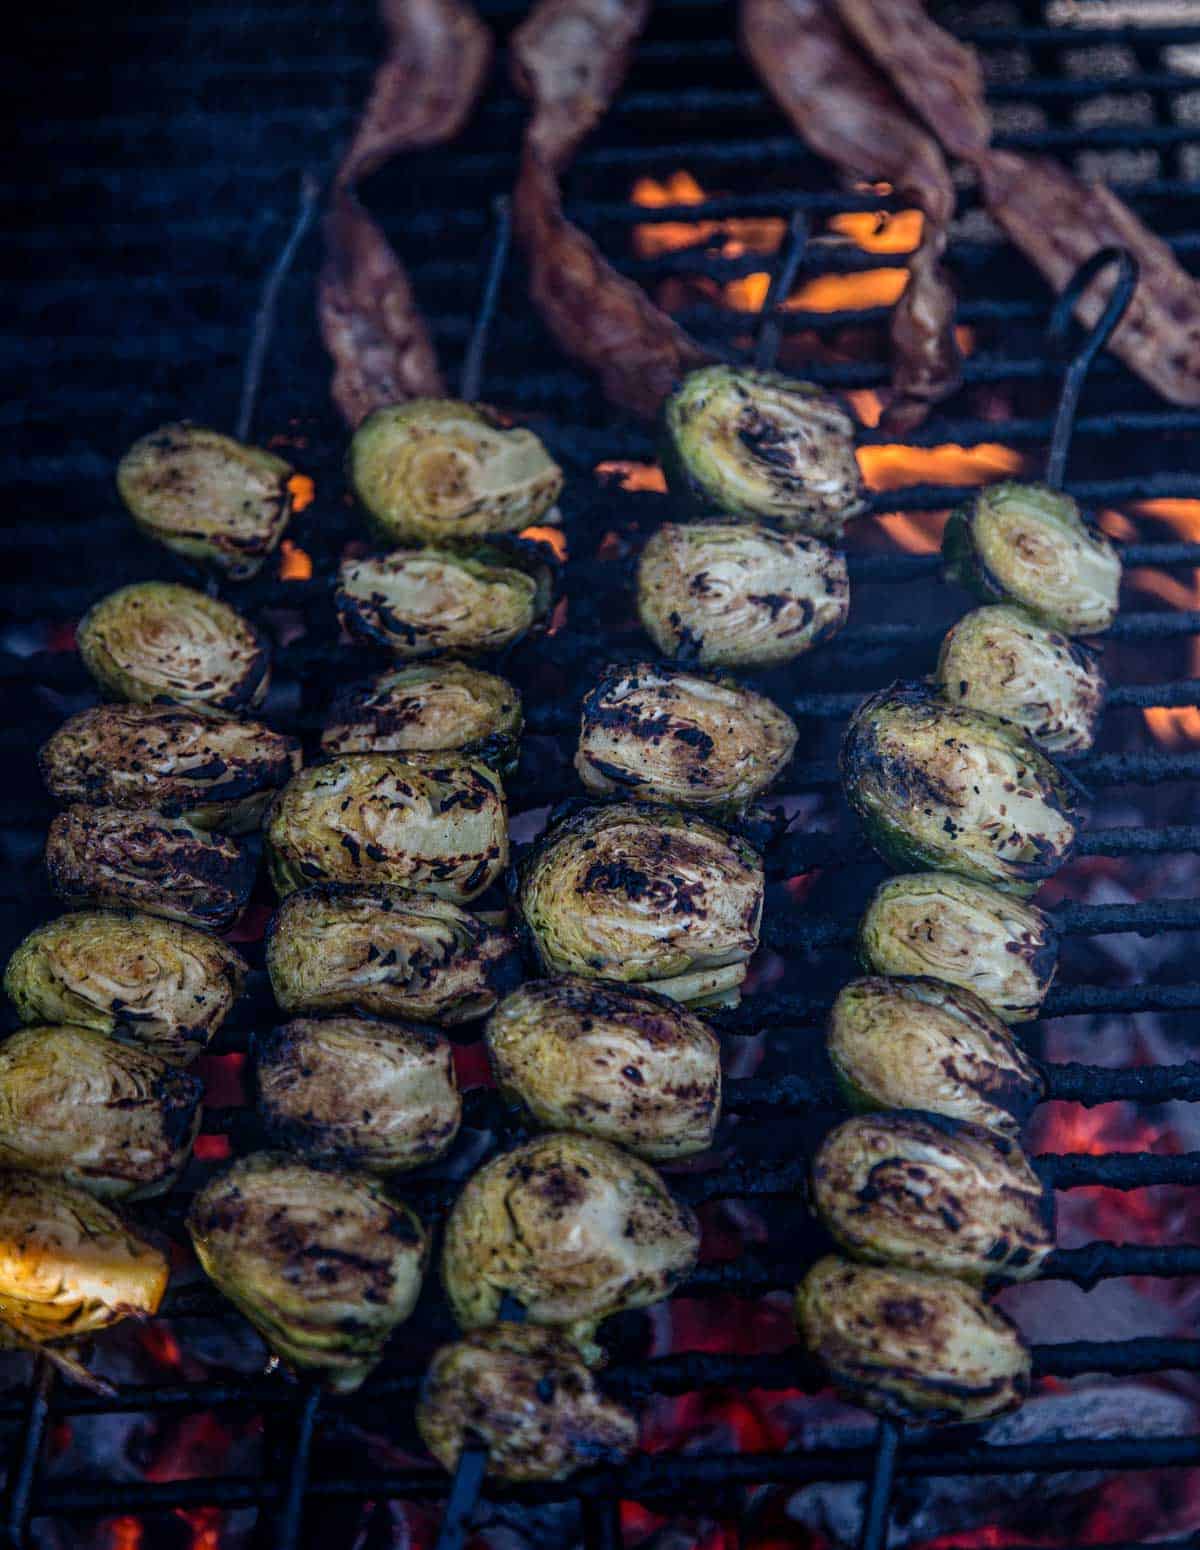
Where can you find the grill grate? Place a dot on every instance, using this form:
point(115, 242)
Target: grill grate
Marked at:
point(164, 196)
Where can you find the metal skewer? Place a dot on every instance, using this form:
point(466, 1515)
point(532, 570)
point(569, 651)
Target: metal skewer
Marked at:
point(783, 276)
point(472, 370)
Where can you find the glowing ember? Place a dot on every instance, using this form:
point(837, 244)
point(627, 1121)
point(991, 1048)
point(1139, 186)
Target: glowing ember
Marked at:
point(759, 234)
point(205, 1524)
point(875, 231)
point(126, 1533)
point(891, 467)
point(632, 476)
point(1174, 726)
point(303, 491)
point(294, 563)
point(553, 537)
point(848, 292)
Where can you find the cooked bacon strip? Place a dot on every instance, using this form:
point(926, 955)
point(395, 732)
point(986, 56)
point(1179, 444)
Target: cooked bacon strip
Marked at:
point(437, 60)
point(841, 107)
point(569, 58)
point(1056, 219)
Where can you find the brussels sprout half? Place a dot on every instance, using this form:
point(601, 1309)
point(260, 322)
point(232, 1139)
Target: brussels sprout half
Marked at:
point(915, 1044)
point(936, 924)
point(1026, 544)
point(358, 1092)
point(929, 1193)
point(157, 642)
point(571, 1227)
point(431, 708)
point(914, 1347)
point(1001, 660)
point(388, 951)
point(437, 469)
point(107, 855)
point(937, 785)
point(433, 602)
point(647, 895)
point(117, 1121)
point(324, 1264)
point(218, 773)
point(753, 444)
point(728, 594)
point(377, 818)
point(609, 1060)
point(524, 1393)
point(668, 735)
point(153, 982)
point(207, 496)
point(69, 1265)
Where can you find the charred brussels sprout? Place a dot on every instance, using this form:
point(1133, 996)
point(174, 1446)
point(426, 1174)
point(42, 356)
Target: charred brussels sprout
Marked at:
point(432, 602)
point(727, 594)
point(158, 642)
point(207, 496)
point(1002, 660)
point(216, 773)
point(673, 736)
point(364, 1094)
point(325, 1265)
point(434, 708)
point(915, 1044)
point(609, 1060)
point(647, 895)
point(930, 1193)
point(387, 951)
point(754, 444)
point(937, 785)
point(526, 1395)
point(152, 982)
point(571, 1227)
point(910, 1346)
point(1023, 543)
point(376, 818)
point(106, 855)
point(436, 469)
point(115, 1120)
point(69, 1265)
point(942, 926)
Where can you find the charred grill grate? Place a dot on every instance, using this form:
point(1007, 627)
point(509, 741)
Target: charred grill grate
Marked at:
point(164, 195)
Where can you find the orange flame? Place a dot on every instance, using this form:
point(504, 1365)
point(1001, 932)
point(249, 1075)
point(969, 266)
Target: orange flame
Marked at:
point(759, 234)
point(303, 491)
point(295, 564)
point(632, 476)
point(126, 1533)
point(553, 537)
point(1172, 726)
point(890, 467)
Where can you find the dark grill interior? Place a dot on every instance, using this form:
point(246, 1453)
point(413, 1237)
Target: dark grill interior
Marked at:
point(166, 154)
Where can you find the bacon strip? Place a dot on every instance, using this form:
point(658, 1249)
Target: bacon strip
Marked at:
point(1056, 219)
point(841, 107)
point(437, 60)
point(569, 58)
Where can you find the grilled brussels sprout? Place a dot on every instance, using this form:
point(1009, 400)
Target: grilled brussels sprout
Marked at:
point(437, 469)
point(325, 1265)
point(155, 642)
point(911, 1346)
point(216, 773)
point(106, 855)
point(728, 594)
point(115, 1120)
point(526, 1395)
point(571, 1227)
point(69, 1265)
point(644, 894)
point(917, 1044)
point(942, 926)
point(429, 602)
point(608, 1060)
point(364, 1094)
point(673, 736)
point(387, 951)
point(1023, 543)
point(377, 818)
point(744, 443)
point(436, 708)
point(930, 1193)
point(1002, 660)
point(153, 982)
point(207, 496)
point(938, 785)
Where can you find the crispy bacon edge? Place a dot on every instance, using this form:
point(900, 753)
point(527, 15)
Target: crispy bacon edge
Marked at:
point(569, 58)
point(437, 60)
point(846, 112)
